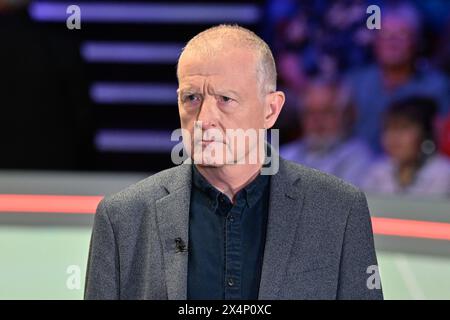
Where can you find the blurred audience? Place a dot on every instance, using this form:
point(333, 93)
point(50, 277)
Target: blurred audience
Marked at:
point(326, 143)
point(314, 38)
point(411, 165)
point(326, 36)
point(396, 73)
point(330, 38)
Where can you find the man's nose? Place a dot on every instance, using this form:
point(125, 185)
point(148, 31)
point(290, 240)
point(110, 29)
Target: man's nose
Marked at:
point(208, 114)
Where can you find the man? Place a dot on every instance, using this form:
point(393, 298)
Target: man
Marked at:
point(326, 143)
point(219, 229)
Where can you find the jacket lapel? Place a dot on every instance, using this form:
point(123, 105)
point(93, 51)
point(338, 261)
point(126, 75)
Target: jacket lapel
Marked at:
point(286, 201)
point(172, 213)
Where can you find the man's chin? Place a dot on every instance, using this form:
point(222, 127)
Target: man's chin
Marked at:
point(203, 161)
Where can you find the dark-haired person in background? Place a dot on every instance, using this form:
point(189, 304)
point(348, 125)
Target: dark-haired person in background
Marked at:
point(412, 165)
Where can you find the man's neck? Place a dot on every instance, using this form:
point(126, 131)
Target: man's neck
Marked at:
point(230, 179)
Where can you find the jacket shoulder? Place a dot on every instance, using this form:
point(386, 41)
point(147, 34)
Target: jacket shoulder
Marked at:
point(321, 183)
point(143, 192)
point(327, 199)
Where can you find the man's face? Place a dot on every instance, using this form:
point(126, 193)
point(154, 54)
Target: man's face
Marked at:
point(321, 118)
point(221, 91)
point(401, 140)
point(395, 43)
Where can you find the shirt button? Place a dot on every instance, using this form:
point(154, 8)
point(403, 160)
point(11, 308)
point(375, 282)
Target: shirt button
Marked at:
point(231, 218)
point(230, 282)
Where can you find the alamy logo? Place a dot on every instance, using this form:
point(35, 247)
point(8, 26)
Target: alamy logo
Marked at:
point(73, 281)
point(374, 20)
point(234, 146)
point(74, 19)
point(374, 280)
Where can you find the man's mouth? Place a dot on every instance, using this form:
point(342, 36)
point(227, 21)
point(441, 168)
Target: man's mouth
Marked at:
point(206, 142)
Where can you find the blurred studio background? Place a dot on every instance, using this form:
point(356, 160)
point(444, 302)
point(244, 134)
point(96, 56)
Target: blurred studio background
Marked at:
point(86, 112)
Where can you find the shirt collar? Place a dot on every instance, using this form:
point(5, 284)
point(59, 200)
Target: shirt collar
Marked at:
point(252, 193)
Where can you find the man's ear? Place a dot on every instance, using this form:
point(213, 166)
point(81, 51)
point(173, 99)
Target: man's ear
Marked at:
point(274, 104)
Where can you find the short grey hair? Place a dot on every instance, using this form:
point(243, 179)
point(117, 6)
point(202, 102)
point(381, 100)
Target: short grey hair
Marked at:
point(241, 37)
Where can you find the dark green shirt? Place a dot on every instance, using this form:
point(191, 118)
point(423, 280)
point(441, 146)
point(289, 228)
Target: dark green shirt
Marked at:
point(226, 240)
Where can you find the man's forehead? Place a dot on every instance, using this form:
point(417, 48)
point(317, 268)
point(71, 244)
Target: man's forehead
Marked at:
point(217, 77)
point(194, 62)
point(214, 84)
point(189, 68)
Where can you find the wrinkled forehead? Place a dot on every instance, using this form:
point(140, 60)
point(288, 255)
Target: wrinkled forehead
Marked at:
point(230, 63)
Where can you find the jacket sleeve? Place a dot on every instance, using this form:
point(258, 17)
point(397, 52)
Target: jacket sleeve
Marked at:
point(358, 274)
point(102, 276)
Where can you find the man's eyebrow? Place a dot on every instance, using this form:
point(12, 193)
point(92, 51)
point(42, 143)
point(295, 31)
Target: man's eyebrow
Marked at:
point(223, 92)
point(227, 91)
point(235, 93)
point(187, 89)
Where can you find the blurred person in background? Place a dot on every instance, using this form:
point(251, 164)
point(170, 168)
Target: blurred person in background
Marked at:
point(397, 73)
point(292, 82)
point(411, 164)
point(312, 39)
point(326, 144)
point(444, 137)
point(326, 36)
point(442, 55)
point(46, 114)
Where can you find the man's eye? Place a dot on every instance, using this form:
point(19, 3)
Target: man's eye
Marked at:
point(191, 98)
point(225, 99)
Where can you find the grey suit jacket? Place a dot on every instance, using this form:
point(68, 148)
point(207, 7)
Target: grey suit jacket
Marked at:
point(319, 242)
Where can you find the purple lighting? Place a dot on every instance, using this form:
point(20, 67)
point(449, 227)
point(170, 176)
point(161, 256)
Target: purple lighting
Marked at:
point(148, 12)
point(136, 52)
point(134, 93)
point(111, 140)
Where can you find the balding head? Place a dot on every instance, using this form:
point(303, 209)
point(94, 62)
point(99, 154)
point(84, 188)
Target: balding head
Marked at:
point(224, 37)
